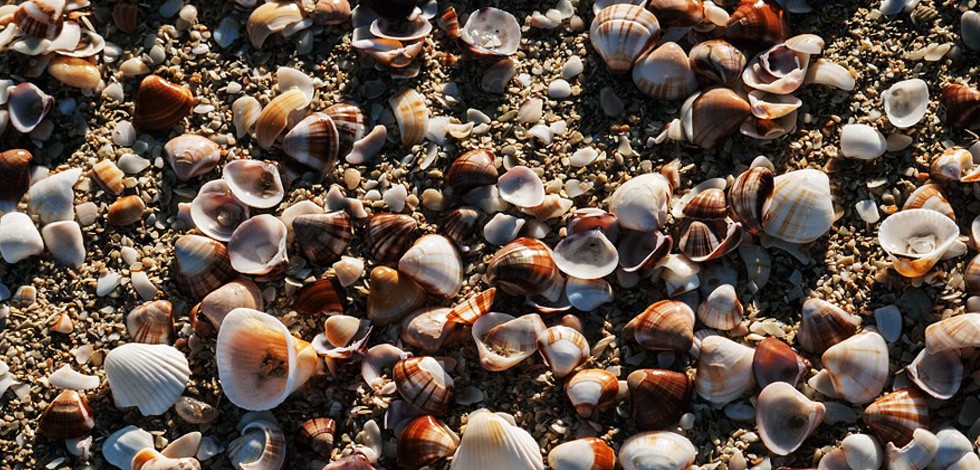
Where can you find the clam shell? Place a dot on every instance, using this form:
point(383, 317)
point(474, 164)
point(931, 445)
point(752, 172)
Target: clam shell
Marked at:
point(148, 376)
point(161, 104)
point(709, 119)
point(563, 348)
point(641, 203)
point(151, 323)
point(493, 440)
point(261, 445)
point(858, 367)
point(203, 265)
point(721, 309)
point(962, 105)
point(771, 106)
point(704, 241)
point(412, 115)
point(916, 454)
point(271, 18)
point(322, 296)
point(521, 187)
point(40, 18)
point(253, 182)
point(639, 250)
point(471, 170)
point(126, 210)
point(525, 267)
point(658, 397)
point(125, 16)
point(331, 12)
point(665, 73)
point(906, 102)
point(724, 370)
point(862, 142)
point(491, 32)
point(749, 197)
point(938, 374)
point(52, 198)
point(15, 174)
point(260, 363)
point(895, 416)
point(666, 325)
point(621, 32)
point(778, 70)
point(961, 331)
point(801, 209)
point(258, 245)
point(504, 341)
point(323, 238)
point(718, 61)
point(27, 106)
point(275, 116)
point(121, 447)
point(75, 72)
point(587, 453)
point(916, 239)
point(460, 224)
point(19, 238)
point(679, 274)
point(191, 155)
point(245, 112)
point(350, 123)
point(467, 311)
point(150, 459)
point(218, 214)
point(424, 441)
point(427, 329)
point(824, 72)
point(955, 451)
point(68, 416)
point(241, 293)
point(774, 361)
point(587, 294)
point(757, 22)
point(318, 434)
point(389, 236)
point(423, 382)
point(930, 196)
point(823, 325)
point(392, 296)
point(657, 450)
point(314, 143)
point(434, 264)
point(592, 391)
point(586, 255)
point(786, 417)
point(708, 204)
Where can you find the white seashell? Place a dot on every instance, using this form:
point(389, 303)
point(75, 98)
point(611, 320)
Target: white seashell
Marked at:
point(778, 70)
point(492, 440)
point(588, 294)
point(255, 183)
point(365, 149)
point(563, 348)
point(121, 447)
point(191, 155)
point(184, 446)
point(807, 43)
point(858, 367)
point(679, 273)
point(258, 245)
point(150, 377)
point(70, 379)
point(641, 203)
point(657, 450)
point(862, 142)
point(218, 213)
point(586, 255)
point(260, 363)
point(504, 341)
point(588, 453)
point(893, 7)
point(824, 72)
point(916, 239)
point(244, 112)
point(262, 444)
point(914, 455)
point(19, 238)
point(620, 32)
point(502, 228)
point(434, 264)
point(906, 102)
point(801, 209)
point(772, 106)
point(867, 209)
point(64, 241)
point(862, 451)
point(786, 417)
point(665, 73)
point(721, 309)
point(953, 446)
point(52, 198)
point(938, 374)
point(289, 78)
point(522, 187)
point(724, 370)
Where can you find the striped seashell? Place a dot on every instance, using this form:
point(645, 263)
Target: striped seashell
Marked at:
point(801, 209)
point(393, 295)
point(766, 106)
point(151, 323)
point(718, 61)
point(161, 104)
point(585, 219)
point(15, 174)
point(563, 348)
point(525, 267)
point(350, 123)
point(424, 441)
point(961, 331)
point(271, 18)
point(592, 391)
point(587, 453)
point(823, 325)
point(245, 112)
point(704, 241)
point(621, 32)
point(971, 275)
point(126, 210)
point(322, 238)
point(202, 265)
point(493, 440)
point(490, 32)
point(469, 310)
point(666, 325)
point(785, 417)
point(314, 143)
point(109, 176)
point(449, 22)
point(331, 12)
point(939, 374)
point(962, 105)
point(324, 296)
point(150, 377)
point(721, 309)
point(460, 224)
point(150, 459)
point(641, 203)
point(390, 235)
point(423, 382)
point(471, 170)
point(75, 72)
point(275, 116)
point(775, 361)
point(261, 445)
point(930, 196)
point(709, 204)
point(917, 239)
point(412, 115)
point(318, 434)
point(709, 119)
point(895, 416)
point(504, 341)
point(68, 416)
point(665, 73)
point(658, 397)
point(125, 16)
point(41, 19)
point(241, 293)
point(724, 370)
point(255, 183)
point(858, 367)
point(955, 164)
point(191, 155)
point(27, 105)
point(757, 22)
point(258, 246)
point(657, 449)
point(434, 264)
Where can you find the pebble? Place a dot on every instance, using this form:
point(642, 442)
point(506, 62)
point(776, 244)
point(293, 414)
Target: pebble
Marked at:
point(143, 286)
point(559, 89)
point(531, 111)
point(572, 68)
point(862, 142)
point(107, 283)
point(395, 197)
point(583, 157)
point(867, 209)
point(610, 103)
point(687, 420)
point(888, 319)
point(740, 412)
point(87, 213)
point(132, 164)
point(502, 229)
point(896, 142)
point(970, 29)
point(208, 449)
point(227, 31)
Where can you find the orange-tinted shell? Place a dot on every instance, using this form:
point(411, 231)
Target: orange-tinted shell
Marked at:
point(321, 296)
point(962, 105)
point(202, 265)
point(758, 23)
point(658, 397)
point(67, 417)
point(667, 325)
point(523, 267)
point(895, 416)
point(161, 104)
point(472, 169)
point(127, 210)
point(424, 441)
point(775, 361)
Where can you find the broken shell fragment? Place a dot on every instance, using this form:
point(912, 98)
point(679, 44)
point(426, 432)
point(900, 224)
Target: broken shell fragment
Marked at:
point(412, 115)
point(27, 105)
point(522, 187)
point(504, 341)
point(253, 182)
point(19, 238)
point(939, 374)
point(491, 32)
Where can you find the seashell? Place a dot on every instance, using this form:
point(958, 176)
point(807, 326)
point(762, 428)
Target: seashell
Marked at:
point(258, 245)
point(665, 73)
point(757, 22)
point(895, 416)
point(241, 293)
point(586, 255)
point(721, 310)
point(563, 348)
point(150, 459)
point(491, 31)
point(956, 332)
point(824, 72)
point(710, 118)
point(109, 176)
point(148, 376)
point(322, 296)
point(126, 210)
point(67, 378)
point(666, 325)
point(245, 112)
point(962, 105)
point(621, 32)
point(587, 453)
point(460, 224)
point(271, 18)
point(494, 440)
point(954, 450)
point(471, 170)
point(971, 274)
point(19, 238)
point(504, 341)
point(806, 43)
point(253, 182)
point(260, 363)
point(468, 311)
point(771, 106)
point(749, 197)
point(331, 12)
point(657, 450)
point(52, 198)
point(121, 447)
point(40, 18)
point(412, 115)
point(525, 267)
point(394, 53)
point(318, 434)
point(125, 15)
point(521, 187)
point(203, 265)
point(680, 13)
point(27, 106)
point(323, 238)
point(858, 367)
point(218, 214)
point(658, 397)
point(343, 335)
point(774, 361)
point(768, 129)
point(350, 123)
point(423, 382)
point(906, 102)
point(824, 325)
point(161, 104)
point(916, 239)
point(862, 142)
point(955, 164)
point(778, 70)
point(15, 174)
point(389, 236)
point(708, 204)
point(151, 323)
point(68, 416)
point(553, 206)
point(191, 155)
point(639, 250)
point(679, 274)
point(428, 329)
point(275, 116)
point(434, 264)
point(592, 391)
point(859, 450)
point(261, 444)
point(314, 143)
point(930, 196)
point(786, 417)
point(587, 294)
point(939, 374)
point(424, 441)
point(75, 72)
point(641, 203)
point(801, 209)
point(717, 60)
point(703, 241)
point(916, 454)
point(724, 370)
point(392, 296)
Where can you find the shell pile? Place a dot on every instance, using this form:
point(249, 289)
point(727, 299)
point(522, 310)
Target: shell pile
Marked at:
point(424, 234)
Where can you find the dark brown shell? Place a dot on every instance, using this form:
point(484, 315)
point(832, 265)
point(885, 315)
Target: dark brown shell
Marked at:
point(323, 237)
point(460, 224)
point(471, 170)
point(658, 397)
point(202, 266)
point(350, 123)
point(708, 240)
point(823, 325)
point(424, 441)
point(126, 16)
point(677, 12)
point(962, 105)
point(716, 115)
point(161, 104)
point(775, 361)
point(523, 267)
point(313, 143)
point(318, 434)
point(895, 416)
point(322, 296)
point(67, 417)
point(667, 325)
point(709, 204)
point(390, 235)
point(757, 24)
point(718, 61)
point(15, 174)
point(750, 195)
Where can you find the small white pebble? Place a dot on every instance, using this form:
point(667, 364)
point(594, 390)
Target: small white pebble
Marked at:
point(583, 157)
point(867, 209)
point(143, 286)
point(395, 197)
point(572, 68)
point(124, 134)
point(107, 283)
point(559, 89)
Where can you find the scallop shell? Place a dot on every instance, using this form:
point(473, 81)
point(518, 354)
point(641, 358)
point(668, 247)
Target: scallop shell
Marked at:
point(412, 115)
point(314, 143)
point(757, 22)
point(641, 203)
point(917, 239)
point(823, 325)
point(894, 417)
point(323, 238)
point(151, 323)
point(202, 265)
point(68, 416)
point(657, 450)
point(491, 32)
point(525, 267)
point(621, 32)
point(424, 441)
point(493, 440)
point(906, 102)
point(471, 170)
point(161, 104)
point(962, 105)
point(961, 331)
point(592, 391)
point(27, 106)
point(778, 70)
point(801, 209)
point(563, 348)
point(434, 264)
point(258, 246)
point(724, 370)
point(858, 367)
point(423, 382)
point(774, 361)
point(218, 213)
point(150, 377)
point(392, 296)
point(587, 453)
point(939, 374)
point(275, 116)
point(658, 397)
point(191, 155)
point(241, 293)
point(504, 341)
point(40, 18)
point(786, 417)
point(261, 445)
point(665, 73)
point(19, 238)
point(709, 119)
point(666, 325)
point(718, 61)
point(389, 236)
point(253, 182)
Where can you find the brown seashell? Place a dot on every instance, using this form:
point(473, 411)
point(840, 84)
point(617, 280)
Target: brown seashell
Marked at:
point(322, 238)
point(15, 174)
point(466, 312)
point(202, 265)
point(392, 296)
point(75, 72)
point(757, 23)
point(524, 267)
point(191, 155)
point(591, 391)
point(412, 115)
point(962, 105)
point(350, 123)
point(718, 61)
point(275, 116)
point(621, 32)
point(775, 361)
point(424, 441)
point(318, 434)
point(471, 170)
point(640, 250)
point(704, 241)
point(658, 397)
point(390, 235)
point(109, 176)
point(667, 325)
point(460, 224)
point(151, 323)
point(709, 204)
point(423, 382)
point(67, 417)
point(161, 104)
point(895, 416)
point(331, 12)
point(971, 274)
point(126, 16)
point(956, 332)
point(712, 117)
point(677, 12)
point(824, 325)
point(449, 22)
point(40, 18)
point(127, 210)
point(930, 196)
point(314, 143)
point(665, 73)
point(320, 297)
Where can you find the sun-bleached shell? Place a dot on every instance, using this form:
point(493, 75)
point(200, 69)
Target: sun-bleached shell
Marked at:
point(657, 450)
point(253, 182)
point(494, 440)
point(218, 213)
point(121, 447)
point(586, 255)
point(70, 379)
point(786, 417)
point(491, 32)
point(826, 73)
point(939, 374)
point(641, 203)
point(858, 367)
point(522, 187)
point(258, 245)
point(724, 370)
point(412, 115)
point(504, 341)
point(862, 142)
point(801, 209)
point(148, 376)
point(434, 264)
point(191, 155)
point(906, 102)
point(957, 332)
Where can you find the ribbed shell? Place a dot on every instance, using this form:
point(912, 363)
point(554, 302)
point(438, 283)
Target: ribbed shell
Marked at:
point(15, 174)
point(191, 155)
point(150, 377)
point(591, 391)
point(151, 323)
point(962, 105)
point(424, 441)
point(434, 264)
point(666, 325)
point(563, 348)
point(858, 367)
point(202, 265)
point(930, 196)
point(657, 450)
point(717, 60)
point(350, 123)
point(665, 73)
point(775, 361)
point(749, 197)
point(957, 332)
point(895, 416)
point(390, 235)
point(587, 453)
point(313, 142)
point(492, 440)
point(708, 204)
point(658, 397)
point(523, 267)
point(320, 297)
point(711, 118)
point(467, 311)
point(708, 240)
point(109, 176)
point(823, 325)
point(125, 16)
point(724, 370)
point(423, 382)
point(393, 295)
point(323, 238)
point(318, 434)
point(471, 170)
point(161, 104)
point(68, 416)
point(412, 115)
point(621, 32)
point(801, 209)
point(40, 18)
point(785, 417)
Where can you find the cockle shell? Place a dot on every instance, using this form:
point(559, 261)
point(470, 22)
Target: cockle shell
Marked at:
point(412, 115)
point(202, 265)
point(641, 203)
point(151, 323)
point(906, 102)
point(939, 374)
point(491, 32)
point(657, 450)
point(563, 348)
point(258, 245)
point(253, 182)
point(801, 209)
point(241, 293)
point(392, 296)
point(148, 376)
point(314, 143)
point(525, 267)
point(470, 170)
point(218, 213)
point(434, 264)
point(161, 104)
point(423, 382)
point(724, 370)
point(324, 296)
point(721, 309)
point(191, 155)
point(271, 18)
point(390, 235)
point(858, 367)
point(494, 440)
point(961, 331)
point(323, 238)
point(917, 239)
point(778, 70)
point(350, 123)
point(621, 32)
point(786, 417)
point(930, 196)
point(592, 391)
point(709, 119)
point(823, 325)
point(962, 105)
point(68, 416)
point(665, 73)
point(424, 441)
point(718, 61)
point(708, 240)
point(775, 361)
point(750, 196)
point(260, 363)
point(587, 453)
point(276, 115)
point(658, 397)
point(504, 341)
point(19, 238)
point(244, 112)
point(27, 106)
point(261, 445)
point(40, 18)
point(895, 416)
point(666, 325)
